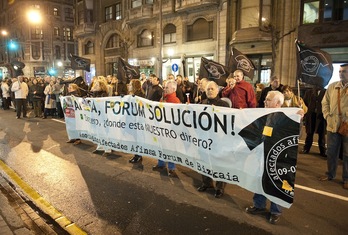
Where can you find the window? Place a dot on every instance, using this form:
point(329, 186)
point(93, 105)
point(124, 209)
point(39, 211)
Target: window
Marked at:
point(57, 53)
point(89, 48)
point(324, 11)
point(68, 34)
point(35, 50)
point(254, 13)
point(136, 3)
point(111, 68)
point(200, 30)
point(113, 42)
point(169, 34)
point(118, 11)
point(81, 17)
point(36, 33)
point(310, 12)
point(71, 49)
point(55, 11)
point(113, 12)
point(335, 10)
point(69, 15)
point(108, 13)
point(145, 38)
point(56, 31)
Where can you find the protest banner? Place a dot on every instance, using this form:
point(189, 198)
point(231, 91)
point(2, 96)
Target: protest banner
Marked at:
point(253, 148)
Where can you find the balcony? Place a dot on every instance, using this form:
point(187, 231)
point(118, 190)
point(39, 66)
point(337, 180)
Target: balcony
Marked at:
point(112, 52)
point(168, 7)
point(194, 5)
point(84, 29)
point(140, 13)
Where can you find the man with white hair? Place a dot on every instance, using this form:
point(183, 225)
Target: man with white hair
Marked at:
point(212, 92)
point(169, 96)
point(274, 99)
point(21, 91)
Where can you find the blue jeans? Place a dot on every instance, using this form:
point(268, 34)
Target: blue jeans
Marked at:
point(171, 166)
point(334, 143)
point(260, 202)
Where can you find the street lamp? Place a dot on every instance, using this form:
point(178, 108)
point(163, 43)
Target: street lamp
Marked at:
point(34, 16)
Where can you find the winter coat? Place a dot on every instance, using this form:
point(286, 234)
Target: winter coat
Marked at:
point(330, 105)
point(49, 102)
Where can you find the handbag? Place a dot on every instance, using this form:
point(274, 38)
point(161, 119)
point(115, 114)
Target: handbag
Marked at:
point(343, 128)
point(53, 96)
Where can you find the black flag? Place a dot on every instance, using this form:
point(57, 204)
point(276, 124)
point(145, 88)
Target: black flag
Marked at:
point(213, 71)
point(314, 66)
point(80, 63)
point(126, 72)
point(239, 61)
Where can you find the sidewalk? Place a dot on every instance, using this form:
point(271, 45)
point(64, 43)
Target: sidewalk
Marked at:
point(16, 216)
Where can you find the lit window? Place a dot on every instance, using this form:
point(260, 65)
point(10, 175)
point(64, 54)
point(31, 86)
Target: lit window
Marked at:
point(136, 3)
point(145, 38)
point(311, 12)
point(118, 11)
point(108, 13)
point(55, 11)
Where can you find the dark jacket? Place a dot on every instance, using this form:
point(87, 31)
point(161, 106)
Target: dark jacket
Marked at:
point(155, 93)
point(39, 92)
point(217, 102)
point(264, 94)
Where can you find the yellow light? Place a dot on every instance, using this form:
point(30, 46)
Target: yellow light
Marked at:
point(4, 33)
point(34, 16)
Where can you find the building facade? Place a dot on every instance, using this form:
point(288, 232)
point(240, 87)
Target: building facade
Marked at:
point(157, 35)
point(44, 46)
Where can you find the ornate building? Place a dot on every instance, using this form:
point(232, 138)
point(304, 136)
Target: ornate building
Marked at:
point(157, 34)
point(42, 46)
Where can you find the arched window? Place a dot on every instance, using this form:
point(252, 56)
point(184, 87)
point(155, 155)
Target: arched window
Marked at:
point(145, 38)
point(169, 34)
point(113, 42)
point(89, 48)
point(200, 30)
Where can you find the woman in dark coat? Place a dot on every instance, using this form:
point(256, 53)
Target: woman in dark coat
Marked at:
point(36, 93)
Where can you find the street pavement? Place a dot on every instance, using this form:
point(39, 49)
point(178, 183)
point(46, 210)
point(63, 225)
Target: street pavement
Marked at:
point(319, 208)
point(16, 216)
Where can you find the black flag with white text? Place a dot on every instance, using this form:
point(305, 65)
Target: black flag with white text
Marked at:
point(126, 72)
point(314, 66)
point(240, 61)
point(80, 63)
point(213, 71)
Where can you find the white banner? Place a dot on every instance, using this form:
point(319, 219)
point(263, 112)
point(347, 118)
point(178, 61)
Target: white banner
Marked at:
point(253, 148)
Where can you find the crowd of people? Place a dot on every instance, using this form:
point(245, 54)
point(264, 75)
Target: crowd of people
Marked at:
point(43, 96)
